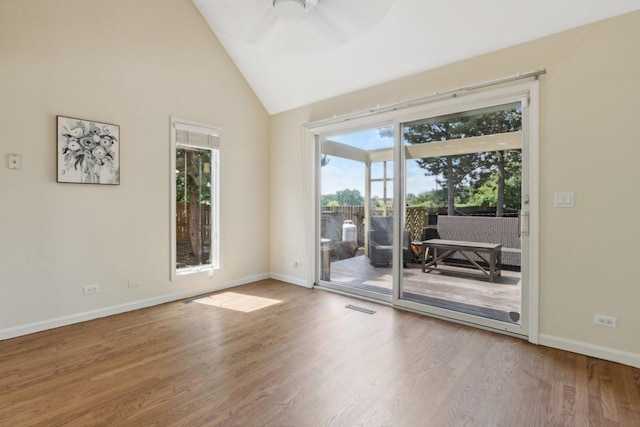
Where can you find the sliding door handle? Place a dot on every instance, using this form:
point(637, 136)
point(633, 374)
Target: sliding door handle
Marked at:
point(524, 223)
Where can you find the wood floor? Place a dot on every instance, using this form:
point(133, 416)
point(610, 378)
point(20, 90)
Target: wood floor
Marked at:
point(306, 361)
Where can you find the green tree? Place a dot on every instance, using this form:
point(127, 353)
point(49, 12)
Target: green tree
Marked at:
point(487, 194)
point(465, 171)
point(507, 163)
point(325, 199)
point(349, 197)
point(433, 198)
point(507, 167)
point(456, 171)
point(193, 178)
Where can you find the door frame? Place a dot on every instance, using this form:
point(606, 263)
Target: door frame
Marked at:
point(527, 93)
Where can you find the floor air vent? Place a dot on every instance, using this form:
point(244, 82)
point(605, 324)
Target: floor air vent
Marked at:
point(362, 309)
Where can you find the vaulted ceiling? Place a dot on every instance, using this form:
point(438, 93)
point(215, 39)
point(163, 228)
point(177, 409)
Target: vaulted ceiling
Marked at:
point(338, 46)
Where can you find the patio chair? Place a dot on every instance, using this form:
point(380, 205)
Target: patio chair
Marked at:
point(381, 248)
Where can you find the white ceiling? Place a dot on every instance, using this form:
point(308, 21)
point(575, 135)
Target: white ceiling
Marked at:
point(289, 64)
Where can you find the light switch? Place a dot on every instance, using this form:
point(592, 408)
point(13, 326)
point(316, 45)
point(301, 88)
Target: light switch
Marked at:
point(563, 199)
point(15, 161)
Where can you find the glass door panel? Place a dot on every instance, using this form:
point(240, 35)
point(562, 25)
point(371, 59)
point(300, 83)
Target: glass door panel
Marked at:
point(463, 192)
point(356, 212)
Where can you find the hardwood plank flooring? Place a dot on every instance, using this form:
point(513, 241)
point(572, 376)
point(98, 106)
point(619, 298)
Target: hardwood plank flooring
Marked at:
point(306, 361)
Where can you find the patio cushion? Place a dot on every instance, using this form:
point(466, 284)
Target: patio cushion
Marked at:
point(485, 230)
point(381, 247)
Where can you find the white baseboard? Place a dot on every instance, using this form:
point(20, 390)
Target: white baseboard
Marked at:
point(619, 356)
point(43, 325)
point(292, 280)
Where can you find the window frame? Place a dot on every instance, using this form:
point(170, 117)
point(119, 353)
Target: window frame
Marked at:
point(212, 144)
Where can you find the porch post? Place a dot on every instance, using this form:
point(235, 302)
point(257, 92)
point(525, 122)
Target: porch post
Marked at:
point(367, 205)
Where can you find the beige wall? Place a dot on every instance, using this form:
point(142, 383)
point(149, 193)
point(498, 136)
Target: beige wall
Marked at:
point(138, 63)
point(589, 144)
point(133, 63)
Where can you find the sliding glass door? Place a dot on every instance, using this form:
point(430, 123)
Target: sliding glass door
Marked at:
point(356, 212)
point(464, 197)
point(429, 208)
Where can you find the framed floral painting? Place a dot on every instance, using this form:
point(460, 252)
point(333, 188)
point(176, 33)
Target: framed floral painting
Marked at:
point(88, 151)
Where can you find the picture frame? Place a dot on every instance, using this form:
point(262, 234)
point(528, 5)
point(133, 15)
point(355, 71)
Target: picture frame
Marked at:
point(88, 151)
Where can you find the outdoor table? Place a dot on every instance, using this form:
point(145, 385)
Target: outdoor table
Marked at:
point(449, 247)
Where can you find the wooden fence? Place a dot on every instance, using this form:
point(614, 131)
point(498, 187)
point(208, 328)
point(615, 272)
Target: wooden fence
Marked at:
point(334, 216)
point(182, 223)
point(417, 217)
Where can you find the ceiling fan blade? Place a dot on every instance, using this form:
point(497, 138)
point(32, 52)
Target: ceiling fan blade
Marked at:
point(352, 17)
point(243, 20)
point(261, 28)
point(325, 25)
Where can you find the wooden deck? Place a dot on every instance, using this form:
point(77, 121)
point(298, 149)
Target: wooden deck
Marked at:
point(450, 289)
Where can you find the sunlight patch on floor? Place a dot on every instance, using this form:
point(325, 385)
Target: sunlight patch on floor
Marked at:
point(237, 302)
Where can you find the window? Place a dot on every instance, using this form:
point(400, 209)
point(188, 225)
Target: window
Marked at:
point(195, 154)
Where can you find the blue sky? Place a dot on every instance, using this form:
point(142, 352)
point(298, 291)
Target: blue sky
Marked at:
point(341, 174)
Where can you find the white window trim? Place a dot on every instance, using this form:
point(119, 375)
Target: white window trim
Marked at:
point(216, 257)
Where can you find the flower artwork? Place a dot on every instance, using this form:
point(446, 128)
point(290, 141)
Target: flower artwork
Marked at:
point(88, 152)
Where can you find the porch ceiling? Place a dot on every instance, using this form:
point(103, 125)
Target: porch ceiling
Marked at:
point(452, 147)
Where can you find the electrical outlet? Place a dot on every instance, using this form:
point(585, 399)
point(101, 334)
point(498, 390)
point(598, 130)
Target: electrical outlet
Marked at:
point(602, 320)
point(91, 289)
